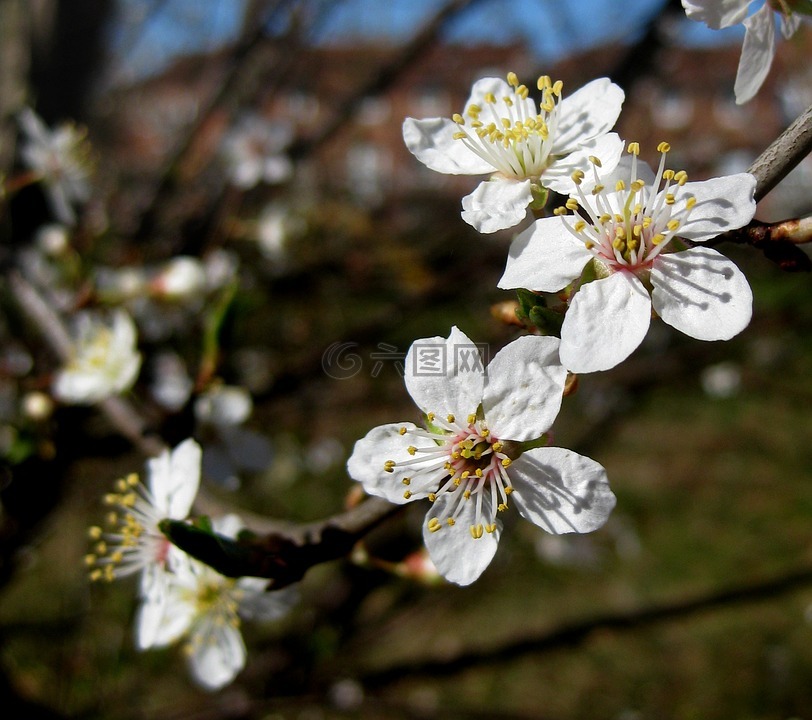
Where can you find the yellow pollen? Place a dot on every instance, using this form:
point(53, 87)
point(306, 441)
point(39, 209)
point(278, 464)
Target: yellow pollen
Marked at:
point(389, 466)
point(508, 489)
point(478, 472)
point(432, 497)
point(690, 202)
point(598, 189)
point(467, 494)
point(669, 198)
point(502, 507)
point(663, 147)
point(558, 86)
point(595, 161)
point(407, 494)
point(459, 119)
point(512, 79)
point(90, 560)
point(634, 148)
point(471, 419)
point(451, 418)
point(411, 450)
point(430, 417)
point(460, 135)
point(465, 474)
point(457, 481)
point(577, 176)
point(620, 186)
point(681, 177)
point(543, 82)
point(506, 462)
point(589, 244)
point(406, 481)
point(490, 98)
point(571, 204)
point(636, 230)
point(672, 225)
point(560, 210)
point(434, 525)
point(490, 528)
point(497, 447)
point(451, 521)
point(657, 239)
point(580, 225)
point(638, 185)
point(668, 174)
point(477, 531)
point(94, 533)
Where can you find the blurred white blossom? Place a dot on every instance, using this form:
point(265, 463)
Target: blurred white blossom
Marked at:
point(104, 359)
point(254, 151)
point(61, 159)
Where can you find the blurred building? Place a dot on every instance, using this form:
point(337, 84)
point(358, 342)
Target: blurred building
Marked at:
point(684, 97)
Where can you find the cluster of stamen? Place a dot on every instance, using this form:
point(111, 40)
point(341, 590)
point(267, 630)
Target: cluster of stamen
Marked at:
point(132, 540)
point(464, 461)
point(508, 133)
point(216, 607)
point(628, 226)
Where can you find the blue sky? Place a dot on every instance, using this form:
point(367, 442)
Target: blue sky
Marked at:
point(145, 41)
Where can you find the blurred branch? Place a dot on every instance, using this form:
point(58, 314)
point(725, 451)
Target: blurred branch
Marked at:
point(574, 634)
point(384, 76)
point(282, 557)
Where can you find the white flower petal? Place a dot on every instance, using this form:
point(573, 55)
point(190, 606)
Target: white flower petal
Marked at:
point(384, 443)
point(458, 557)
point(162, 619)
point(174, 479)
point(722, 204)
point(545, 257)
point(606, 321)
point(758, 50)
point(445, 376)
point(523, 388)
point(497, 204)
point(608, 148)
point(701, 293)
point(259, 604)
point(432, 142)
point(716, 14)
point(216, 656)
point(588, 113)
point(561, 491)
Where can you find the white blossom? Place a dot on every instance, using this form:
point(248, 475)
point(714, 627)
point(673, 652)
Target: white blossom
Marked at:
point(254, 151)
point(206, 609)
point(628, 235)
point(472, 460)
point(134, 543)
point(522, 146)
point(104, 359)
point(759, 38)
point(61, 160)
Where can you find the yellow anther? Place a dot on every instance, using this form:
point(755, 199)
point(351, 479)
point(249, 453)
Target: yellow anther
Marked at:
point(558, 86)
point(589, 244)
point(478, 472)
point(451, 521)
point(605, 218)
point(560, 210)
point(571, 204)
point(638, 185)
point(663, 147)
point(389, 466)
point(90, 559)
point(508, 100)
point(467, 494)
point(477, 531)
point(669, 198)
point(407, 494)
point(407, 481)
point(457, 481)
point(690, 202)
point(577, 176)
point(512, 79)
point(598, 189)
point(474, 109)
point(430, 417)
point(101, 548)
point(497, 447)
point(402, 431)
point(472, 418)
point(433, 525)
point(620, 186)
point(668, 174)
point(506, 123)
point(95, 575)
point(646, 221)
point(432, 497)
point(673, 225)
point(657, 239)
point(459, 119)
point(508, 489)
point(580, 225)
point(121, 485)
point(506, 462)
point(544, 82)
point(132, 479)
point(460, 135)
point(595, 161)
point(490, 528)
point(450, 418)
point(411, 449)
point(465, 474)
point(636, 230)
point(117, 557)
point(112, 518)
point(501, 507)
point(681, 177)
point(634, 148)
point(490, 98)
point(94, 533)
point(522, 92)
